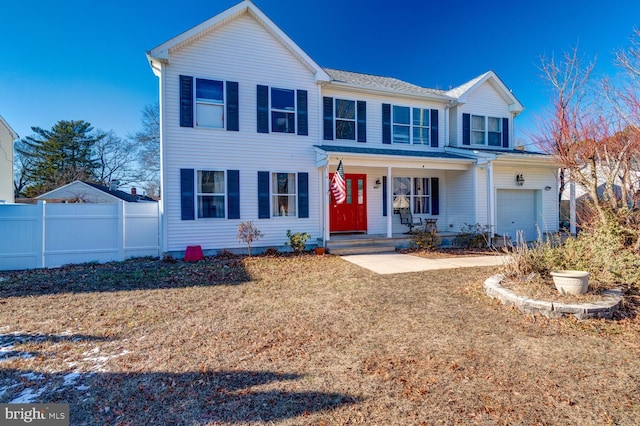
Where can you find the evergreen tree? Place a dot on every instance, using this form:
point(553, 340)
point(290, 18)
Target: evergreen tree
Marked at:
point(60, 155)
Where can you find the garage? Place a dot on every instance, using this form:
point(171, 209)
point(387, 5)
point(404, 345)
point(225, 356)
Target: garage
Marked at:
point(517, 211)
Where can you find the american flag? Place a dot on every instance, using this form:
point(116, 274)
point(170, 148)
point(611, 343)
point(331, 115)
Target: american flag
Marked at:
point(338, 186)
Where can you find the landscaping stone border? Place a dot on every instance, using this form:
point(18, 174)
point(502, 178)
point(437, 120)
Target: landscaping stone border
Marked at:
point(602, 309)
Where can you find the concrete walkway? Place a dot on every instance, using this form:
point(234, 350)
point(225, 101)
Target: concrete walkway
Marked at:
point(397, 263)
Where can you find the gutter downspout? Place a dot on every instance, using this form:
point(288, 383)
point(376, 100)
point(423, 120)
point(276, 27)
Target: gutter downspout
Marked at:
point(492, 200)
point(389, 204)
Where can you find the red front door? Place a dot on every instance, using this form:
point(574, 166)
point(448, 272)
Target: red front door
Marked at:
point(350, 216)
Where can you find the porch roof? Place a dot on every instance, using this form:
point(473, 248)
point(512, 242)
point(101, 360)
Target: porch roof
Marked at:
point(396, 157)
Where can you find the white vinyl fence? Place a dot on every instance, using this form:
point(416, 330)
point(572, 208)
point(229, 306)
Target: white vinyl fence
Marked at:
point(50, 235)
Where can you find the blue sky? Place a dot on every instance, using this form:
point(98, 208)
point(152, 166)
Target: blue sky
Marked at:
point(83, 60)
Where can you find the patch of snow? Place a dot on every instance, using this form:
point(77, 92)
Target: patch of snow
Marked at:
point(71, 379)
point(28, 396)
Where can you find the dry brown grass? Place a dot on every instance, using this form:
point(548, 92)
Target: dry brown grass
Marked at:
point(304, 340)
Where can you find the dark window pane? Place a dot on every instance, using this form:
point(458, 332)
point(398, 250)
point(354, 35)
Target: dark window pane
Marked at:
point(209, 90)
point(282, 99)
point(345, 109)
point(345, 129)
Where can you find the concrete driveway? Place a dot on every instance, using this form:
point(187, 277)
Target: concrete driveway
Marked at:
point(397, 263)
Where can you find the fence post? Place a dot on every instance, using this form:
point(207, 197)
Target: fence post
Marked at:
point(121, 229)
point(41, 243)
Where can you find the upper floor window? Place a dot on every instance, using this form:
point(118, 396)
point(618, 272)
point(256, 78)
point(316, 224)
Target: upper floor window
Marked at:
point(211, 194)
point(410, 125)
point(486, 130)
point(407, 125)
point(344, 119)
point(282, 110)
point(209, 103)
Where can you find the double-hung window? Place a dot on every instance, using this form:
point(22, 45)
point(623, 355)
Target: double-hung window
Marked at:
point(421, 126)
point(209, 103)
point(412, 193)
point(478, 128)
point(486, 130)
point(345, 119)
point(283, 110)
point(494, 131)
point(410, 125)
point(401, 124)
point(283, 195)
point(211, 194)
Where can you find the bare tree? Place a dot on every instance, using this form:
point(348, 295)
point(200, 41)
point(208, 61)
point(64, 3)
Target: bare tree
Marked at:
point(592, 131)
point(117, 159)
point(148, 140)
point(569, 81)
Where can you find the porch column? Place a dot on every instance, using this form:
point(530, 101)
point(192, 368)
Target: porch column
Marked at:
point(572, 207)
point(389, 204)
point(325, 203)
point(491, 205)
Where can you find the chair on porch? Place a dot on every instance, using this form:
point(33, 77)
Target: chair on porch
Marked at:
point(406, 218)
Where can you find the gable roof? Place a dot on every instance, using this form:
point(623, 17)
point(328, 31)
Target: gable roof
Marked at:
point(12, 132)
point(462, 92)
point(162, 53)
point(390, 84)
point(112, 193)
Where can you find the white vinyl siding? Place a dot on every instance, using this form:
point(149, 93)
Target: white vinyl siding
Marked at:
point(236, 52)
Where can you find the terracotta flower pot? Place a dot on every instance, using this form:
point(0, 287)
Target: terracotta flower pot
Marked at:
point(571, 282)
point(320, 250)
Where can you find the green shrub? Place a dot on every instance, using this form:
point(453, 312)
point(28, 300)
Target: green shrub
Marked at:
point(297, 241)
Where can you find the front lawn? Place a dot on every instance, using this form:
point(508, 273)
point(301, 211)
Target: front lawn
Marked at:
point(303, 340)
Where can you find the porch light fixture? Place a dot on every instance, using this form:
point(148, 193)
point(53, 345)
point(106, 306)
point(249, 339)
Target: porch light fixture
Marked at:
point(547, 188)
point(377, 184)
point(519, 180)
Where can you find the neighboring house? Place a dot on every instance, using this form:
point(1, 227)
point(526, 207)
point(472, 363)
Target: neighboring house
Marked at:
point(7, 137)
point(253, 129)
point(87, 192)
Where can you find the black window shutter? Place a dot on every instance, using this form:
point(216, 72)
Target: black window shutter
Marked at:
point(264, 206)
point(505, 133)
point(233, 194)
point(233, 110)
point(303, 195)
point(303, 115)
point(263, 109)
point(187, 192)
point(327, 113)
point(386, 123)
point(466, 129)
point(362, 121)
point(384, 195)
point(186, 101)
point(435, 196)
point(434, 128)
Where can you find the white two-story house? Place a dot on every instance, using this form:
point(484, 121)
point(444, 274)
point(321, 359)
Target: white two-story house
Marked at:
point(252, 128)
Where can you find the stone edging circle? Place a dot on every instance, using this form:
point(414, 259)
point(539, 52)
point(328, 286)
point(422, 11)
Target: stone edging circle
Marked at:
point(601, 309)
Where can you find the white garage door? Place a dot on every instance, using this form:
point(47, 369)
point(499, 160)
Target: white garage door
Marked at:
point(516, 211)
